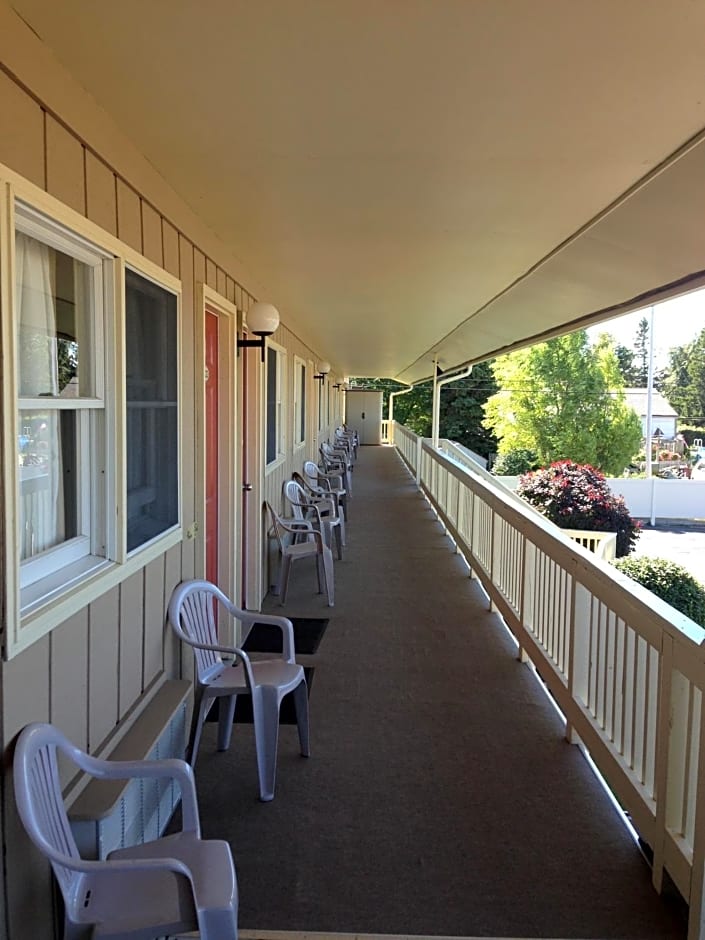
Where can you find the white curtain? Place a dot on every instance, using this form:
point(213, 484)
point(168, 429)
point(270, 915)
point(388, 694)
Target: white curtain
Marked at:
point(41, 465)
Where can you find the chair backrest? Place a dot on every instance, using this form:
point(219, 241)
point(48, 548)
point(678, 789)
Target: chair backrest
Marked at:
point(329, 454)
point(311, 488)
point(296, 497)
point(284, 533)
point(311, 472)
point(41, 805)
point(192, 615)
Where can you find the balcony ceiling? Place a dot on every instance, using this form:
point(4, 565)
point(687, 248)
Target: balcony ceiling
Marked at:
point(417, 177)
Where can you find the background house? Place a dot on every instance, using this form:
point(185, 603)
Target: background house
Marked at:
point(664, 419)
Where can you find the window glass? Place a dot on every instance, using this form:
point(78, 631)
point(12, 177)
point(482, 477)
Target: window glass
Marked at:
point(152, 445)
point(300, 392)
point(57, 357)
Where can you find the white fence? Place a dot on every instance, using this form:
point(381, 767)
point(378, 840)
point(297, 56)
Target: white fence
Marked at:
point(656, 498)
point(626, 669)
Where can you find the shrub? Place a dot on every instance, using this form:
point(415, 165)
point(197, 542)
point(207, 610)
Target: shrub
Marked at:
point(576, 496)
point(514, 462)
point(670, 581)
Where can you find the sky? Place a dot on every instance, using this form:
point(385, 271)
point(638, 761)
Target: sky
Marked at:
point(676, 322)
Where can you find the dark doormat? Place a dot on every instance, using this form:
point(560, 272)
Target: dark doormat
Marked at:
point(243, 706)
point(265, 638)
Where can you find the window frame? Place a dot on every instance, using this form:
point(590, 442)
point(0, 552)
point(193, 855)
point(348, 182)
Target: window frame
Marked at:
point(280, 410)
point(88, 548)
point(123, 441)
point(300, 423)
point(31, 614)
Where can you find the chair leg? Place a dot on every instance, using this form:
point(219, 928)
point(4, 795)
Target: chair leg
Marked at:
point(339, 540)
point(284, 578)
point(300, 697)
point(214, 924)
point(225, 720)
point(341, 516)
point(328, 570)
point(265, 713)
point(320, 573)
point(199, 716)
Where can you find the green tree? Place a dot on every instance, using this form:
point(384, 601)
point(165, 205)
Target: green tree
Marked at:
point(684, 382)
point(462, 410)
point(641, 354)
point(564, 399)
point(625, 360)
point(414, 410)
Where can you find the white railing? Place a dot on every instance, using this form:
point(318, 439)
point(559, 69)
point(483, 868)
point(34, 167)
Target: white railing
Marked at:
point(625, 668)
point(602, 544)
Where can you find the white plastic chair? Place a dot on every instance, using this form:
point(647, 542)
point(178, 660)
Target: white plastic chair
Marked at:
point(327, 482)
point(192, 614)
point(353, 436)
point(335, 461)
point(347, 440)
point(171, 885)
point(322, 508)
point(322, 492)
point(287, 532)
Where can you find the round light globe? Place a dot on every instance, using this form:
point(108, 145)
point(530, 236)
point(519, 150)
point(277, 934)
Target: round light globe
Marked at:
point(262, 319)
point(324, 368)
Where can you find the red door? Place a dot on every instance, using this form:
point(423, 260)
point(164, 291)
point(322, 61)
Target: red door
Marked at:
point(212, 475)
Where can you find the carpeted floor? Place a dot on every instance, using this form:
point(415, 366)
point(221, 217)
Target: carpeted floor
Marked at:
point(441, 797)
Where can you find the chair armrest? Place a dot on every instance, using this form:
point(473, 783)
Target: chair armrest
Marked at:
point(295, 525)
point(171, 768)
point(285, 625)
point(233, 651)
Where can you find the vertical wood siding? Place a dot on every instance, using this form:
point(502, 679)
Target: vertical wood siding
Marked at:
point(91, 670)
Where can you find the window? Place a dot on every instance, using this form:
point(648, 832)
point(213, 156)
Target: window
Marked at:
point(152, 419)
point(60, 310)
point(92, 473)
point(300, 402)
point(275, 444)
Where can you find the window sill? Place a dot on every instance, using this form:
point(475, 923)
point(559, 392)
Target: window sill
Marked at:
point(271, 467)
point(73, 590)
point(47, 589)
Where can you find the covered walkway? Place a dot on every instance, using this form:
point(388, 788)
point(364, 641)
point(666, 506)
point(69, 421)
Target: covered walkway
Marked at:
point(441, 797)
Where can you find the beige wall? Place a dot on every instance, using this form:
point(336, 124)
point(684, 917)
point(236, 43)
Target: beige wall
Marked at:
point(90, 671)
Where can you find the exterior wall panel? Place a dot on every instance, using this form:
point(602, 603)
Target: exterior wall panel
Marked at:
point(170, 241)
point(153, 621)
point(129, 216)
point(103, 657)
point(68, 686)
point(101, 194)
point(23, 149)
point(130, 643)
point(170, 642)
point(90, 671)
point(66, 174)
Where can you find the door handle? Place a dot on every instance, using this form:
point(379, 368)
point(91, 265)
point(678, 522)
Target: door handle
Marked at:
point(246, 487)
point(363, 415)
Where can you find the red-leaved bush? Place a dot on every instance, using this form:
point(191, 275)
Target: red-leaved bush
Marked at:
point(576, 496)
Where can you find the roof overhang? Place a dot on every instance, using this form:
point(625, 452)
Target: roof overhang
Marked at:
point(412, 178)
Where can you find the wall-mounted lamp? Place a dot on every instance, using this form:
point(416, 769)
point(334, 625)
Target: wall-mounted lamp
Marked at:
point(262, 320)
point(337, 385)
point(323, 370)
